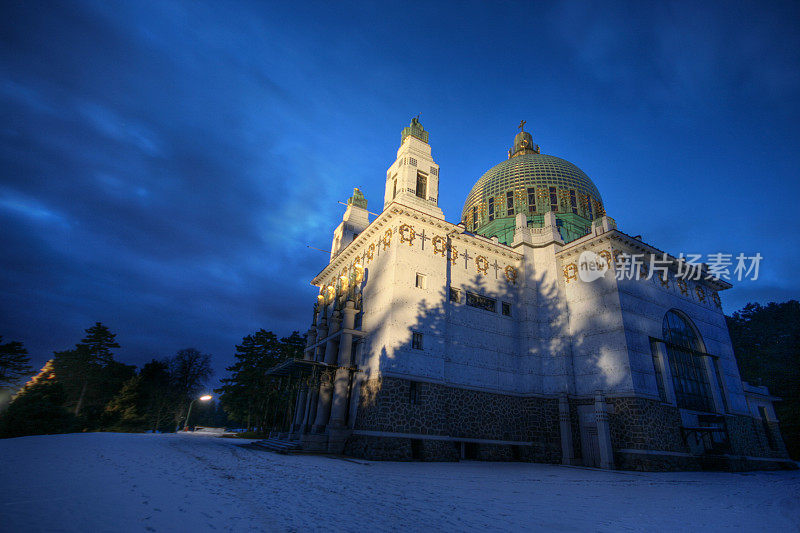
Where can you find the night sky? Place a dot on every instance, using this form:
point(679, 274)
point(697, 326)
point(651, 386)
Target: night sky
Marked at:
point(166, 164)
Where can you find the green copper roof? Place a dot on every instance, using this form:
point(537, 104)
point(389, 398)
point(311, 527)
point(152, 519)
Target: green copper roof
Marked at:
point(577, 200)
point(414, 129)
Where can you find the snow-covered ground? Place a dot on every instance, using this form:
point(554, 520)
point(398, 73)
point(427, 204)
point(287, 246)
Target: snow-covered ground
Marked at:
point(133, 482)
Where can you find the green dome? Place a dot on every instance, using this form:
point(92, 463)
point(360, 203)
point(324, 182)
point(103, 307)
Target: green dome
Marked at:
point(534, 183)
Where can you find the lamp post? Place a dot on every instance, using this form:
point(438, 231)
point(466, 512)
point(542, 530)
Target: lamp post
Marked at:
point(203, 398)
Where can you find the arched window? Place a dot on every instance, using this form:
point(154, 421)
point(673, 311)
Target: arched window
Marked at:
point(685, 352)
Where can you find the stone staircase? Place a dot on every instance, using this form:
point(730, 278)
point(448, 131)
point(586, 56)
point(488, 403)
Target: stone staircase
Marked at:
point(278, 445)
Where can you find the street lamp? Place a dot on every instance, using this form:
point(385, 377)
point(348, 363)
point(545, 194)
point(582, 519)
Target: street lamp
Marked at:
point(203, 398)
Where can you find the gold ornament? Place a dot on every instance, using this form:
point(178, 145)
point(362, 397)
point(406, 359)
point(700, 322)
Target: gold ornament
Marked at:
point(570, 272)
point(439, 245)
point(370, 251)
point(511, 274)
point(682, 286)
point(407, 234)
point(605, 254)
point(453, 254)
point(387, 239)
point(715, 297)
point(700, 294)
point(482, 263)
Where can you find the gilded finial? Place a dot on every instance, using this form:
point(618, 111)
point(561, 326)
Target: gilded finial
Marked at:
point(521, 125)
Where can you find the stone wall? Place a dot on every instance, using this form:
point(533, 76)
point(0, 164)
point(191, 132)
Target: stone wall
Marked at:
point(388, 404)
point(642, 424)
point(748, 437)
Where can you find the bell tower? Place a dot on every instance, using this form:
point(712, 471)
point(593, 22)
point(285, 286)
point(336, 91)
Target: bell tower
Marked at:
point(413, 179)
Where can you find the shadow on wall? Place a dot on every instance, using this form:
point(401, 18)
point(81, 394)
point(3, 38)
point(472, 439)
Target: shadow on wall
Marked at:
point(461, 337)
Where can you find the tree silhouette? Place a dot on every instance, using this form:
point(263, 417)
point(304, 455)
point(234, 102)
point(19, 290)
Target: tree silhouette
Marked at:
point(14, 363)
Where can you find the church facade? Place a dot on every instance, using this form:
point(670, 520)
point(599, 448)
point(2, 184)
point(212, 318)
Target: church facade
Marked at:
point(511, 336)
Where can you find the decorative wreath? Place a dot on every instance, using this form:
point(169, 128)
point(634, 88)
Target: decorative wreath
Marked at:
point(407, 234)
point(439, 245)
point(387, 239)
point(482, 263)
point(453, 254)
point(370, 251)
point(570, 272)
point(682, 287)
point(700, 294)
point(715, 297)
point(605, 254)
point(511, 274)
point(617, 253)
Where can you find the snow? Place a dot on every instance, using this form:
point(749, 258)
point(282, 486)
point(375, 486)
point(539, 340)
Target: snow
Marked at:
point(138, 482)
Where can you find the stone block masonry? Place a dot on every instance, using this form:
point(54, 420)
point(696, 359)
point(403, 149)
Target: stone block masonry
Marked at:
point(523, 428)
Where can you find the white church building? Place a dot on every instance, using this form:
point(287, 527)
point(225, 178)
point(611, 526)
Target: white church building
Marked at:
point(490, 339)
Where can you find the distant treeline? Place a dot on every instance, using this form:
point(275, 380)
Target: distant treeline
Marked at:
point(86, 389)
point(766, 341)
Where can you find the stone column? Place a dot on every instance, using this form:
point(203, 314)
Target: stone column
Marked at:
point(323, 403)
point(332, 346)
point(565, 425)
point(311, 338)
point(342, 380)
point(310, 411)
point(302, 397)
point(322, 332)
point(603, 433)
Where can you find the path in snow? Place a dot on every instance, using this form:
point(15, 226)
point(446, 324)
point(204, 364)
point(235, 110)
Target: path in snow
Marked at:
point(135, 482)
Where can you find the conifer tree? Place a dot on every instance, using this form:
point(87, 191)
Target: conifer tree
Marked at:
point(14, 363)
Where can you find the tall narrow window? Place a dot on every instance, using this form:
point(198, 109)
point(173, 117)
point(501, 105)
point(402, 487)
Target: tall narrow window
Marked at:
point(573, 201)
point(510, 203)
point(491, 208)
point(719, 382)
point(553, 199)
point(420, 283)
point(531, 200)
point(657, 369)
point(474, 217)
point(416, 340)
point(589, 207)
point(422, 186)
point(394, 189)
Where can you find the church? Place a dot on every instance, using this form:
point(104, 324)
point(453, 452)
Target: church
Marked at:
point(510, 336)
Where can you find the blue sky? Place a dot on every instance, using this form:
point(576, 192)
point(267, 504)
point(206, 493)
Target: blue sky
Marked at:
point(166, 164)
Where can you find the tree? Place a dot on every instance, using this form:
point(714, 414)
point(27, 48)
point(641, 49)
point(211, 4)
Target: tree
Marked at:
point(37, 410)
point(250, 396)
point(190, 371)
point(14, 363)
point(146, 401)
point(766, 341)
point(82, 368)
